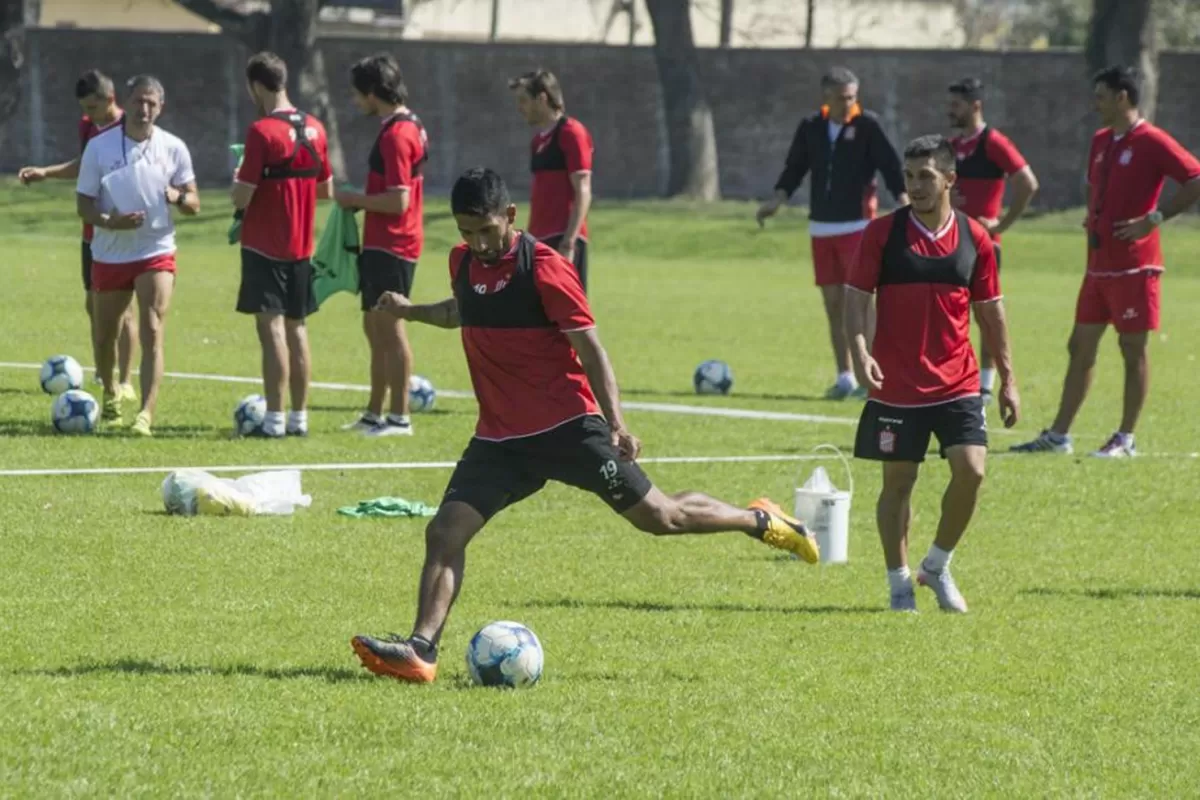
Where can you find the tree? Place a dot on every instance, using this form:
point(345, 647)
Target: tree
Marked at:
point(1123, 32)
point(691, 138)
point(12, 57)
point(726, 22)
point(288, 28)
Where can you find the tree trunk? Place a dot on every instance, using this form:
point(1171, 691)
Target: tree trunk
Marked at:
point(690, 135)
point(1123, 32)
point(12, 58)
point(810, 15)
point(726, 22)
point(290, 30)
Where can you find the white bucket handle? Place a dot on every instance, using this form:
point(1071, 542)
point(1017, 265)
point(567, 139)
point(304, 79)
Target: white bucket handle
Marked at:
point(840, 455)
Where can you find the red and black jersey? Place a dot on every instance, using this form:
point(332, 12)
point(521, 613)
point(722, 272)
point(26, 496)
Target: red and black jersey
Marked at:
point(89, 130)
point(985, 160)
point(925, 282)
point(556, 155)
point(286, 156)
point(515, 315)
point(396, 163)
point(1125, 180)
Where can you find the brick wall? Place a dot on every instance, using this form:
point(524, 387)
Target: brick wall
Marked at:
point(1041, 99)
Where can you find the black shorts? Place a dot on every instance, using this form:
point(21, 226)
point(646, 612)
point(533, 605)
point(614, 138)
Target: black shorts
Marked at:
point(897, 433)
point(85, 257)
point(491, 476)
point(580, 260)
point(380, 272)
point(280, 287)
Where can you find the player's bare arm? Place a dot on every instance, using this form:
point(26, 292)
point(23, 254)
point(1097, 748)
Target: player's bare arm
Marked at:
point(858, 306)
point(325, 190)
point(1024, 186)
point(581, 185)
point(68, 170)
point(186, 198)
point(994, 327)
point(393, 201)
point(441, 315)
point(91, 214)
point(1185, 198)
point(600, 375)
point(240, 195)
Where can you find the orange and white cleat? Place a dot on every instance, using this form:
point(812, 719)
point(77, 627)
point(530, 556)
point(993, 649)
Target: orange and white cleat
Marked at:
point(393, 656)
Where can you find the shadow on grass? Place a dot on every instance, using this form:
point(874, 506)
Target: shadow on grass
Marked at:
point(30, 428)
point(1117, 594)
point(129, 666)
point(26, 427)
point(739, 608)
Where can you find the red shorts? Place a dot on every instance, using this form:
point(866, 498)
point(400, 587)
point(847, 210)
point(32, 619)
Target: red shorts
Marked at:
point(833, 257)
point(1130, 302)
point(120, 277)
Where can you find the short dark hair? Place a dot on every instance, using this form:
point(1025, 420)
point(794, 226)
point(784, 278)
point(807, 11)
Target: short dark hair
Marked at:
point(479, 192)
point(93, 82)
point(969, 89)
point(268, 70)
point(838, 76)
point(146, 82)
point(1121, 79)
point(933, 146)
point(537, 82)
point(380, 75)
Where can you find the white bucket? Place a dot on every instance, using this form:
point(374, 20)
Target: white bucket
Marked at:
point(827, 514)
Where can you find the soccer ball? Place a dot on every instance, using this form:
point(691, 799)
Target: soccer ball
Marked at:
point(249, 415)
point(713, 377)
point(421, 394)
point(504, 654)
point(74, 411)
point(60, 374)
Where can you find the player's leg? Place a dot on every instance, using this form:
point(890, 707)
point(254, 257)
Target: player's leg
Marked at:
point(898, 437)
point(300, 303)
point(391, 341)
point(154, 290)
point(126, 342)
point(987, 363)
point(108, 308)
point(272, 336)
point(834, 299)
point(89, 301)
point(1137, 298)
point(488, 478)
point(379, 382)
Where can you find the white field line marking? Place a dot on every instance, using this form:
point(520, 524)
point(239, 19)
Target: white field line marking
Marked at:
point(665, 408)
point(386, 465)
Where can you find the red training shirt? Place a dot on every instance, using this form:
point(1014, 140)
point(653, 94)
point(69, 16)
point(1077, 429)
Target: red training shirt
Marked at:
point(89, 130)
point(279, 219)
point(528, 380)
point(1125, 180)
point(401, 149)
point(567, 148)
point(923, 330)
point(983, 198)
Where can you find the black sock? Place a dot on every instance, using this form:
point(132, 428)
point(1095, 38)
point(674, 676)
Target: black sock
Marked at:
point(424, 648)
point(762, 519)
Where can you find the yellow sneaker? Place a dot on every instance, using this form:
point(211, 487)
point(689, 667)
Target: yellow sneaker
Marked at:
point(785, 532)
point(126, 393)
point(141, 425)
point(110, 409)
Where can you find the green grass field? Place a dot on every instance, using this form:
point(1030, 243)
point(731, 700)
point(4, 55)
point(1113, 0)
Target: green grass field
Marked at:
point(148, 655)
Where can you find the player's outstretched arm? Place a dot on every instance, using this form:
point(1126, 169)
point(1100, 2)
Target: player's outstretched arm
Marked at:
point(994, 327)
point(600, 375)
point(441, 315)
point(68, 170)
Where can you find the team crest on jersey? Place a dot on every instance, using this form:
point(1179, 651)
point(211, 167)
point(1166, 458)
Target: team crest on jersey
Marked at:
point(1126, 157)
point(887, 441)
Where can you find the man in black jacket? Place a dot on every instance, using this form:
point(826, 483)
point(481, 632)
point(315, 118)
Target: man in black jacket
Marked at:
point(843, 146)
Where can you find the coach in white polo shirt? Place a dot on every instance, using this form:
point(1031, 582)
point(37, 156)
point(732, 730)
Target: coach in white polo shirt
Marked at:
point(129, 177)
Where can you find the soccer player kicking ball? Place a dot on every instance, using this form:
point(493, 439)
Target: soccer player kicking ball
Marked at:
point(548, 410)
point(928, 265)
point(1127, 166)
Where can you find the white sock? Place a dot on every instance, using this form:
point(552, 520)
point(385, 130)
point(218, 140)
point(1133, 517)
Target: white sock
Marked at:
point(273, 423)
point(371, 417)
point(987, 378)
point(900, 580)
point(297, 420)
point(399, 419)
point(937, 559)
point(1127, 437)
point(845, 380)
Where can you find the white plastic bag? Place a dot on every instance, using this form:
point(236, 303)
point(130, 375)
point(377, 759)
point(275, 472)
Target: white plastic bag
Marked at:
point(819, 482)
point(192, 491)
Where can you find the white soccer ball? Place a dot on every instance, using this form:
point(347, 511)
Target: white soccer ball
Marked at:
point(61, 374)
point(74, 411)
point(713, 377)
point(249, 415)
point(505, 654)
point(421, 394)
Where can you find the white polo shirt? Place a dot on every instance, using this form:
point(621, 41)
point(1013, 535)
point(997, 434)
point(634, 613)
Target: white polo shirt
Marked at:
point(123, 176)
